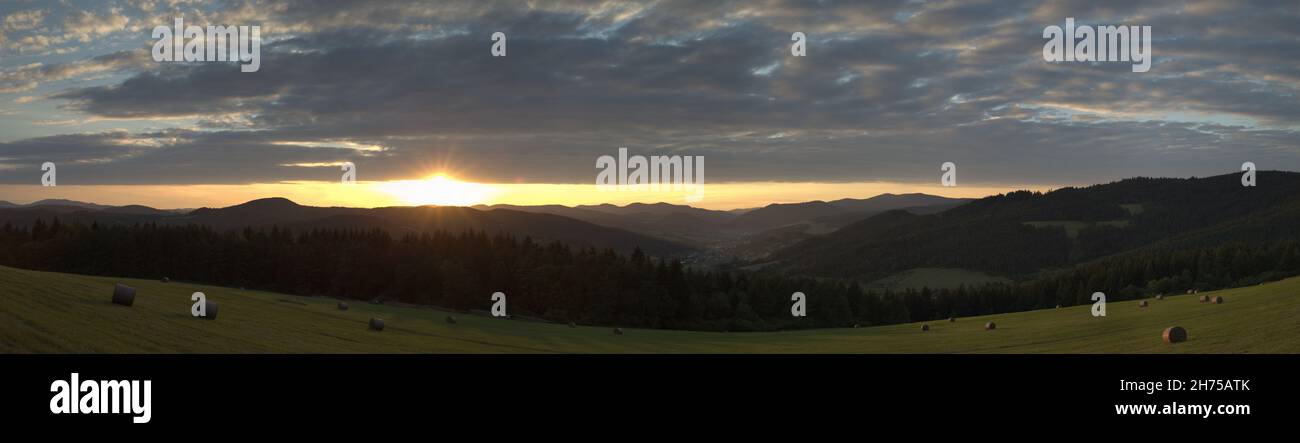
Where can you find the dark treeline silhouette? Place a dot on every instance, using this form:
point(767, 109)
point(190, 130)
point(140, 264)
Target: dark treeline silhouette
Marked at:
point(590, 286)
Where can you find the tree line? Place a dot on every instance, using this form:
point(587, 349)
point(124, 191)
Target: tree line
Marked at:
point(558, 282)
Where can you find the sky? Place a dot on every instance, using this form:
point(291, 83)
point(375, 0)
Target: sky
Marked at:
point(411, 94)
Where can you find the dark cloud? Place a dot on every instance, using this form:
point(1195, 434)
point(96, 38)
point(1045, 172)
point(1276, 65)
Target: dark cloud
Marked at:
point(889, 91)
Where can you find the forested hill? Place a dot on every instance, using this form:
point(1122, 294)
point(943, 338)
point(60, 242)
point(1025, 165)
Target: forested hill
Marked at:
point(1023, 232)
point(398, 220)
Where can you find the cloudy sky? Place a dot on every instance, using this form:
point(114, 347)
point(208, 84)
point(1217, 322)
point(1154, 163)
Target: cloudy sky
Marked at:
point(888, 92)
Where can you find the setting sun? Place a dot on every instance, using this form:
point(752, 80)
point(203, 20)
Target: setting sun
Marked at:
point(438, 190)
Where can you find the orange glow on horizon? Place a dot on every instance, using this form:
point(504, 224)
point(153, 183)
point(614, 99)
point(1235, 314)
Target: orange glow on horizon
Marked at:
point(448, 191)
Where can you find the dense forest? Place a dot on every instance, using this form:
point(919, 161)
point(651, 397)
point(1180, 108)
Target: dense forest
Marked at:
point(587, 285)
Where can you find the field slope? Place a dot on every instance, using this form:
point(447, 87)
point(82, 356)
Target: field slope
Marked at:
point(43, 312)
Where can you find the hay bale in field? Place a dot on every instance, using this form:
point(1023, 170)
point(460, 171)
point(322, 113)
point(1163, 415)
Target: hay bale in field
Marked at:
point(209, 309)
point(376, 324)
point(572, 325)
point(952, 319)
point(1160, 296)
point(166, 280)
point(855, 326)
point(343, 306)
point(1218, 300)
point(377, 301)
point(1203, 299)
point(451, 320)
point(1142, 304)
point(1174, 334)
point(990, 326)
point(925, 328)
point(618, 331)
point(123, 295)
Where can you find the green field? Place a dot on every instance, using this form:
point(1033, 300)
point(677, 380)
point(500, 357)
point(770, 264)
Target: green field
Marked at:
point(43, 312)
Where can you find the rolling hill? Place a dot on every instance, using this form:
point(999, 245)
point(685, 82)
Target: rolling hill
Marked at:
point(1023, 232)
point(43, 312)
point(837, 213)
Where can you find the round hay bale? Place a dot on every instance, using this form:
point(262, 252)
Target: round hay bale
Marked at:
point(990, 326)
point(572, 325)
point(166, 280)
point(1174, 334)
point(123, 295)
point(343, 306)
point(209, 309)
point(1142, 304)
point(618, 331)
point(1218, 300)
point(451, 320)
point(855, 325)
point(1058, 306)
point(376, 324)
point(952, 319)
point(1203, 299)
point(925, 328)
point(1160, 296)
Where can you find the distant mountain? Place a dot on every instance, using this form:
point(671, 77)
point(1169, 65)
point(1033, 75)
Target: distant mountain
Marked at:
point(836, 221)
point(136, 209)
point(678, 223)
point(744, 233)
point(1025, 232)
point(837, 213)
point(885, 202)
point(540, 226)
point(781, 214)
point(67, 206)
point(398, 220)
point(63, 202)
point(660, 209)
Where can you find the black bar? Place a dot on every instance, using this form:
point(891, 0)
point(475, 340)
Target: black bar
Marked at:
point(252, 391)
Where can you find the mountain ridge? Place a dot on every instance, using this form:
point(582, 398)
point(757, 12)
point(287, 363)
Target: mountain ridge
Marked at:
point(1024, 232)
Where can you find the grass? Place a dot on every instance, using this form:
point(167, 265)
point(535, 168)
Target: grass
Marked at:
point(42, 312)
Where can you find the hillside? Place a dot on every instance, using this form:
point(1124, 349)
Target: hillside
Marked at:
point(1024, 232)
point(44, 312)
point(709, 227)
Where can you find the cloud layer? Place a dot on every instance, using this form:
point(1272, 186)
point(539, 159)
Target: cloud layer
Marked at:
point(888, 91)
